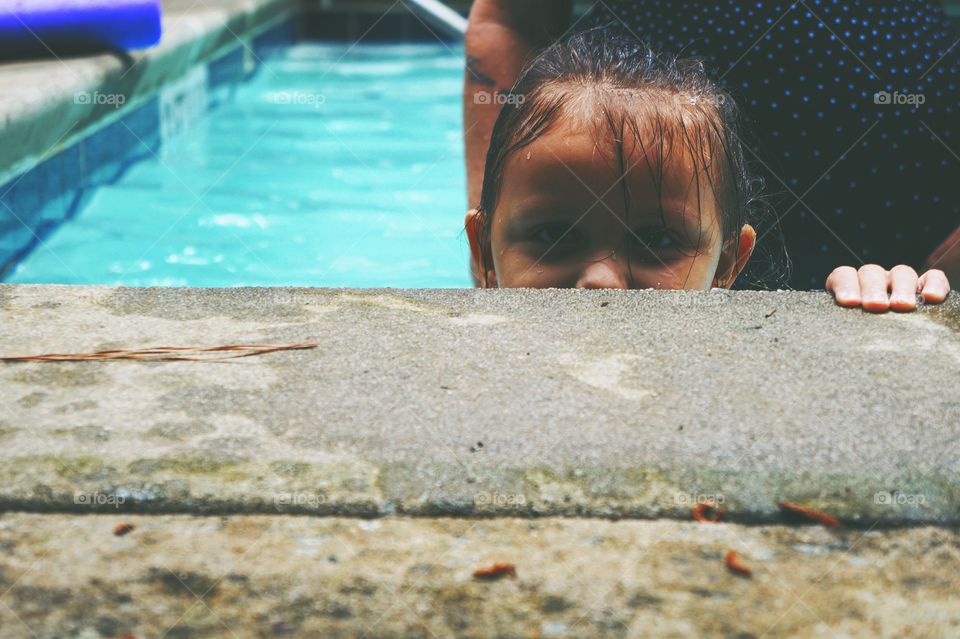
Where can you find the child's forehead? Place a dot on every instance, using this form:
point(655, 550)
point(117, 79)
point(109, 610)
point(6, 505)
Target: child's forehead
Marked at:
point(668, 124)
point(639, 153)
point(567, 167)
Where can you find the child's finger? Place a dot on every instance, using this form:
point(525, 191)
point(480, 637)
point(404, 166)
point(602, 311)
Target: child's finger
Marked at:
point(845, 286)
point(874, 281)
point(934, 286)
point(903, 288)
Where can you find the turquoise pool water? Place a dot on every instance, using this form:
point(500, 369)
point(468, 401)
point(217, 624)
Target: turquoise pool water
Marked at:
point(332, 166)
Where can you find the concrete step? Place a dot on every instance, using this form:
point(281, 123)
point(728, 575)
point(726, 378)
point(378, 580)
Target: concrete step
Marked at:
point(277, 576)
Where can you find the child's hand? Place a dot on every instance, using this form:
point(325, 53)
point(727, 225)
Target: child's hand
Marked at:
point(869, 287)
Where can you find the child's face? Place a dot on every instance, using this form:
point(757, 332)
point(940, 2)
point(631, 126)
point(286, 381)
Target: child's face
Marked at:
point(561, 220)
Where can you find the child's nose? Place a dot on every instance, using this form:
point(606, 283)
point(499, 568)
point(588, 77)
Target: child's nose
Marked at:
point(607, 273)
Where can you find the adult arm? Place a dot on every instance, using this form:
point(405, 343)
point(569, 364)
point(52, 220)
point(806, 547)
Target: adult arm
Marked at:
point(502, 35)
point(947, 257)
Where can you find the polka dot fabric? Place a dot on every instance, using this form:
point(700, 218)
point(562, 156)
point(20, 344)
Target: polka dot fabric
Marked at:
point(854, 109)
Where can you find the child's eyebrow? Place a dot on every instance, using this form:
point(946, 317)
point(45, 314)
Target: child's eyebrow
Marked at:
point(524, 218)
point(675, 217)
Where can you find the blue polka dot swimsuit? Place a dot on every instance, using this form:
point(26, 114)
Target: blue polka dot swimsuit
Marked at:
point(854, 108)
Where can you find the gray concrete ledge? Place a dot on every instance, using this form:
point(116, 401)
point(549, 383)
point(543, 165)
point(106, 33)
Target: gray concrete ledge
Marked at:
point(482, 403)
point(39, 115)
point(238, 577)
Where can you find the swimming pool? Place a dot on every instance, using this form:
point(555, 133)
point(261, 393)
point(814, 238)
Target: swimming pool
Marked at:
point(333, 165)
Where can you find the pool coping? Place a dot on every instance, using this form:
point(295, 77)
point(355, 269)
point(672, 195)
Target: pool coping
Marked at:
point(414, 404)
point(39, 121)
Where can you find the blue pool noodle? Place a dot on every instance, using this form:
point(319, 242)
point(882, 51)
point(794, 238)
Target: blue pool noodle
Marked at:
point(32, 26)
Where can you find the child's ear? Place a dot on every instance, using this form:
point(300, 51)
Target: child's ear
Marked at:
point(736, 254)
point(481, 255)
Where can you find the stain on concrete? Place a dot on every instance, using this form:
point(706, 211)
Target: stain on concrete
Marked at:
point(86, 433)
point(228, 447)
point(32, 399)
point(290, 469)
point(6, 297)
point(644, 600)
point(183, 582)
point(47, 305)
point(358, 585)
point(201, 402)
point(6, 430)
point(76, 407)
point(196, 465)
point(60, 374)
point(77, 468)
point(180, 430)
point(554, 603)
point(210, 399)
point(39, 596)
point(610, 373)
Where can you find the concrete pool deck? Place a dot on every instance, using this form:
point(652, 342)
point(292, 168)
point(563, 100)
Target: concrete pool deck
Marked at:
point(433, 432)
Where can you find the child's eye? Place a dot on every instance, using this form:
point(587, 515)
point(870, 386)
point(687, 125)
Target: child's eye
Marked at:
point(657, 243)
point(550, 233)
point(555, 240)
